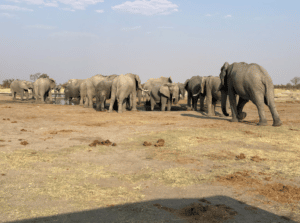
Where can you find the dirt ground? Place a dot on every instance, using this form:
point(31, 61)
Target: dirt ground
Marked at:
point(206, 169)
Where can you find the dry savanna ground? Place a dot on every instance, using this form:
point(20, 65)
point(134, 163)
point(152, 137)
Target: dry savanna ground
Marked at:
point(56, 164)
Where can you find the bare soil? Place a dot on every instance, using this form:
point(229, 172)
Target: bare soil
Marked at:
point(64, 162)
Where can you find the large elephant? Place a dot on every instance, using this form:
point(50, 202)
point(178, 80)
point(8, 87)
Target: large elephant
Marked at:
point(125, 87)
point(210, 89)
point(42, 88)
point(74, 89)
point(181, 90)
point(90, 86)
point(164, 94)
point(193, 86)
point(18, 87)
point(153, 81)
point(250, 82)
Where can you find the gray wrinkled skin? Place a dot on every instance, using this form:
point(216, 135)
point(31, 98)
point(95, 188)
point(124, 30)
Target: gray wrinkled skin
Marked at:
point(250, 82)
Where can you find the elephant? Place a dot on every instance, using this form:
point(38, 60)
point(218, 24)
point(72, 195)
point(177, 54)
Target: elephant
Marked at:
point(193, 86)
point(210, 89)
point(181, 90)
point(140, 94)
point(103, 92)
point(18, 87)
point(164, 93)
point(74, 89)
point(43, 88)
point(90, 86)
point(124, 87)
point(153, 81)
point(250, 82)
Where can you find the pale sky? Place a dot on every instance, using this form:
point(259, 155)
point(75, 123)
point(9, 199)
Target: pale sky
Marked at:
point(80, 38)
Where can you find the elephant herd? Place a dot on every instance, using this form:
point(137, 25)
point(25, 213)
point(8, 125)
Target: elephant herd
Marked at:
point(248, 81)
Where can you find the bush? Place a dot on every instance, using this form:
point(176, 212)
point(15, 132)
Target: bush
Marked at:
point(6, 83)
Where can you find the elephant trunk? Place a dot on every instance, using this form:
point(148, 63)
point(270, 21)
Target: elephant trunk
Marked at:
point(176, 96)
point(223, 103)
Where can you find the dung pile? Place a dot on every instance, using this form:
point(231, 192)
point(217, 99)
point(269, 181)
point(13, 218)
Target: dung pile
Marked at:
point(147, 143)
point(105, 143)
point(159, 143)
point(241, 156)
point(24, 143)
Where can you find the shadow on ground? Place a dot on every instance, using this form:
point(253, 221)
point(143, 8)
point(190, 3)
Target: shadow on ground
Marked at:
point(204, 116)
point(210, 209)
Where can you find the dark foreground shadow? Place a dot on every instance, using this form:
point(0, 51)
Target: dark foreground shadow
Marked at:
point(209, 209)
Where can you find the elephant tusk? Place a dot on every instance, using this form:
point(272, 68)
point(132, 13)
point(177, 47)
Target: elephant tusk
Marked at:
point(195, 95)
point(145, 90)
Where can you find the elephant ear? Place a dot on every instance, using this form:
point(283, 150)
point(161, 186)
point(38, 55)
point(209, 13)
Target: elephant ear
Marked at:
point(203, 84)
point(138, 82)
point(224, 67)
point(164, 89)
point(185, 85)
point(223, 74)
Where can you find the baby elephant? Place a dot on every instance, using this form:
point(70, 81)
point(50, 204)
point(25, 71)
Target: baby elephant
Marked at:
point(164, 94)
point(103, 92)
point(210, 90)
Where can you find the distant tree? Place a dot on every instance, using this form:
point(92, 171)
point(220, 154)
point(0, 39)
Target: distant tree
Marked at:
point(44, 76)
point(6, 83)
point(289, 86)
point(295, 80)
point(35, 76)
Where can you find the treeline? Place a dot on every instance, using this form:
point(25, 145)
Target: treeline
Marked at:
point(6, 83)
point(287, 86)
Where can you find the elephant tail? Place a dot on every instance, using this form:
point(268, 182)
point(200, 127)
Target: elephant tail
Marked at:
point(269, 91)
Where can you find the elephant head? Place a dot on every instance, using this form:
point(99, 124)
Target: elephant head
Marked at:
point(170, 90)
point(23, 85)
point(138, 82)
point(202, 86)
point(29, 84)
point(52, 83)
point(223, 77)
point(224, 87)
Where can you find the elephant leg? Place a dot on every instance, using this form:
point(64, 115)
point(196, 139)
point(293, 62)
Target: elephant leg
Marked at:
point(13, 94)
point(209, 103)
point(240, 114)
point(112, 101)
point(189, 99)
point(120, 105)
point(133, 97)
point(27, 95)
point(233, 106)
point(275, 115)
point(169, 103)
point(81, 100)
point(50, 96)
point(214, 102)
point(103, 105)
point(124, 104)
point(22, 94)
point(163, 102)
point(202, 102)
point(152, 101)
point(259, 102)
point(194, 101)
point(90, 104)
